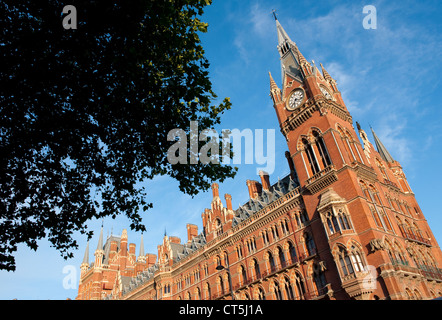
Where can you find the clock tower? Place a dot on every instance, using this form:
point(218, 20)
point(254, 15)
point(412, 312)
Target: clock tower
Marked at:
point(364, 218)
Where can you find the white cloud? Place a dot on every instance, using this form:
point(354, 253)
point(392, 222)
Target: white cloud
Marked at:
point(262, 24)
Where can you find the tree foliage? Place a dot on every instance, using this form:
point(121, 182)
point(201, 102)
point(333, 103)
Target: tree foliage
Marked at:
point(84, 113)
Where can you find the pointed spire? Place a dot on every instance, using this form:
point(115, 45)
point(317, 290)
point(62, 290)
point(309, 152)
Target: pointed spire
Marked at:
point(274, 14)
point(275, 92)
point(273, 86)
point(100, 240)
point(381, 148)
point(291, 57)
point(302, 60)
point(86, 254)
point(325, 74)
point(284, 41)
point(141, 254)
point(283, 37)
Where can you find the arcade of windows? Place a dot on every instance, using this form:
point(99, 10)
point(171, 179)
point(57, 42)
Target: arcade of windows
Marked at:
point(349, 261)
point(350, 145)
point(421, 256)
point(376, 207)
point(274, 260)
point(336, 222)
point(408, 230)
point(314, 148)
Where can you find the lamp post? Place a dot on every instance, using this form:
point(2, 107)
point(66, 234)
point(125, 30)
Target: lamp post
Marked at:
point(221, 267)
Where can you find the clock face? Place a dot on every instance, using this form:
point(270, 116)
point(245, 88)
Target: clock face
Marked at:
point(326, 93)
point(295, 99)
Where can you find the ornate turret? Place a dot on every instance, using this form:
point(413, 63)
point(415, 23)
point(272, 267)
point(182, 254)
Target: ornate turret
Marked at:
point(85, 264)
point(141, 256)
point(99, 252)
point(386, 156)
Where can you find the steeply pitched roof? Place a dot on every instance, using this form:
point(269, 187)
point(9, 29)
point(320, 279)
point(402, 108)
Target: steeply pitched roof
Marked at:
point(275, 192)
point(107, 247)
point(381, 148)
point(100, 240)
point(86, 254)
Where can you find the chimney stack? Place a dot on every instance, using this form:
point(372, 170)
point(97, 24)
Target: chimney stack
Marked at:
point(215, 190)
point(192, 231)
point(255, 188)
point(132, 248)
point(228, 198)
point(265, 180)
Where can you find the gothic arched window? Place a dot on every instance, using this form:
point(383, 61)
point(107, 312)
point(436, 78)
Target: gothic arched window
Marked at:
point(218, 227)
point(277, 289)
point(323, 153)
point(292, 252)
point(221, 285)
point(319, 277)
point(288, 289)
point(309, 244)
point(261, 294)
point(281, 257)
point(271, 261)
point(243, 275)
point(256, 268)
point(314, 166)
point(356, 259)
point(332, 223)
point(208, 293)
point(344, 262)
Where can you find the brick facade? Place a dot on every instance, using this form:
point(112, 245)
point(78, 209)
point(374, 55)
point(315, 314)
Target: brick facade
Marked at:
point(344, 224)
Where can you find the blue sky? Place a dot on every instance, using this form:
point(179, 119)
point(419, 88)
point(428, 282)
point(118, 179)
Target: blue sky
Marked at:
point(390, 78)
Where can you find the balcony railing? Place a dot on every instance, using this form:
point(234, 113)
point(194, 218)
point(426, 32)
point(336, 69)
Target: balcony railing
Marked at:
point(399, 262)
point(391, 183)
point(431, 272)
point(320, 174)
point(322, 179)
point(428, 272)
point(413, 237)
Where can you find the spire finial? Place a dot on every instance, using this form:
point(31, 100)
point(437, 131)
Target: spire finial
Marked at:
point(273, 86)
point(100, 240)
point(381, 148)
point(86, 254)
point(141, 246)
point(325, 74)
point(274, 14)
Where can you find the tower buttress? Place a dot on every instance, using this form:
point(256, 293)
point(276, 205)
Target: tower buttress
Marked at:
point(99, 252)
point(85, 264)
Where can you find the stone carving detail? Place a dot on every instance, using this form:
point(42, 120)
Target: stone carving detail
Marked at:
point(377, 244)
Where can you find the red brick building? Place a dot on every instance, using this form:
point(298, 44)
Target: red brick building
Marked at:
point(344, 224)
